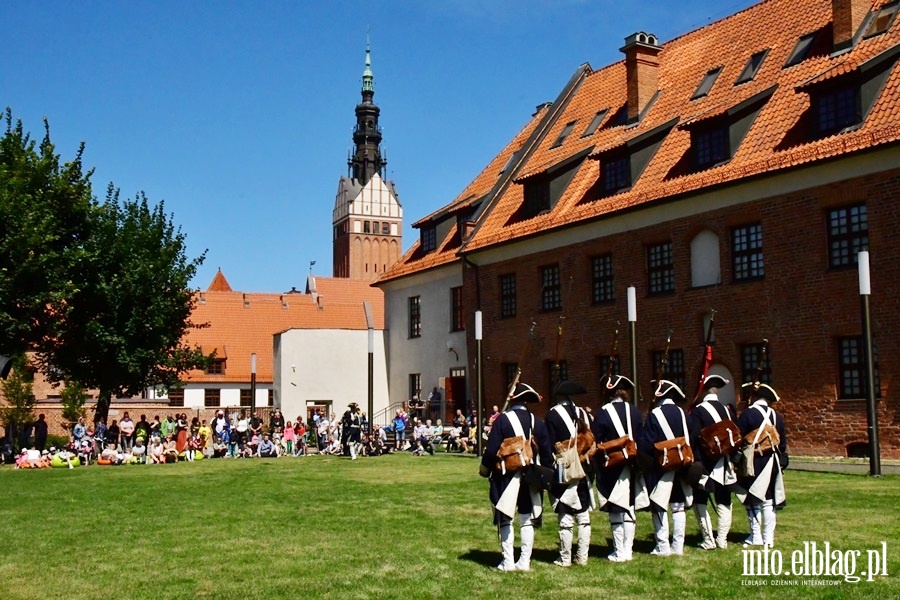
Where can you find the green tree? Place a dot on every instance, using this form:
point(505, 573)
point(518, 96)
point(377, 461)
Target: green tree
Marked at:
point(45, 207)
point(73, 398)
point(124, 327)
point(17, 390)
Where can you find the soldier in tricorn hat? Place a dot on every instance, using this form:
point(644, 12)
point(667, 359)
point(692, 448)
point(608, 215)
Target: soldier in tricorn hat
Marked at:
point(719, 472)
point(505, 461)
point(621, 487)
point(668, 487)
point(351, 430)
point(571, 497)
point(762, 427)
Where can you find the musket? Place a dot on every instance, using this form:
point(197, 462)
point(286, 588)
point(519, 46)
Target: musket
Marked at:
point(707, 356)
point(760, 361)
point(611, 365)
point(515, 381)
point(665, 359)
point(555, 373)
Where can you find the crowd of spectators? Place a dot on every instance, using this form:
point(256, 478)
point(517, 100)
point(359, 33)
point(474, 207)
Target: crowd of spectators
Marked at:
point(237, 436)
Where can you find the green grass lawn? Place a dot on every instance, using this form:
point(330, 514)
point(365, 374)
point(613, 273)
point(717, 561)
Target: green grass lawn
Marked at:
point(388, 527)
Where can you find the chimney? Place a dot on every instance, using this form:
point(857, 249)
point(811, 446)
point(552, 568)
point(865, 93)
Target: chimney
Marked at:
point(847, 17)
point(642, 71)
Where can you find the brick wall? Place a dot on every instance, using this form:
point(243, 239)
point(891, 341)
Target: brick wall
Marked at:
point(801, 306)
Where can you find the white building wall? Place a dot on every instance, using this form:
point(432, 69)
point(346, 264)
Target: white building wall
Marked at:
point(427, 355)
point(230, 397)
point(194, 397)
point(328, 365)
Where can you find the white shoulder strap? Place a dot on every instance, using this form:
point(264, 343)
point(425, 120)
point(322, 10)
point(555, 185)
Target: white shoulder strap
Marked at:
point(564, 415)
point(516, 423)
point(713, 413)
point(767, 414)
point(617, 422)
point(663, 424)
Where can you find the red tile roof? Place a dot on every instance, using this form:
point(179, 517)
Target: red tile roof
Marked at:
point(414, 260)
point(773, 24)
point(239, 324)
point(219, 283)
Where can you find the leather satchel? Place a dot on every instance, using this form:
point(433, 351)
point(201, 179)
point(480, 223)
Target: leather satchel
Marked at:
point(763, 439)
point(673, 454)
point(585, 442)
point(515, 454)
point(720, 439)
point(616, 453)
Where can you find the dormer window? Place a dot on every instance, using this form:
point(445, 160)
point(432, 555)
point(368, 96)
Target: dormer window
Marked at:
point(542, 190)
point(710, 146)
point(429, 239)
point(564, 134)
point(883, 20)
point(836, 110)
point(537, 196)
point(216, 367)
point(752, 67)
point(716, 137)
point(594, 125)
point(708, 80)
point(801, 50)
point(842, 102)
point(622, 165)
point(616, 174)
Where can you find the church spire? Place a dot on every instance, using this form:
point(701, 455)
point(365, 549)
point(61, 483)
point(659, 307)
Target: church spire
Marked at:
point(368, 78)
point(367, 158)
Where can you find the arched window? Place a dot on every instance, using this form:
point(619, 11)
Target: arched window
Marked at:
point(705, 259)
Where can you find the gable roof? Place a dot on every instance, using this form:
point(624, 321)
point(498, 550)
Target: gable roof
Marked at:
point(219, 283)
point(474, 194)
point(769, 145)
point(238, 324)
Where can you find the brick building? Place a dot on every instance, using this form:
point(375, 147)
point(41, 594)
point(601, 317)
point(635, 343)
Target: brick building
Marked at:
point(737, 168)
point(367, 218)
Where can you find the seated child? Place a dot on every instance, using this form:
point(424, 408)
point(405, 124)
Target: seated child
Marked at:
point(267, 448)
point(252, 446)
point(220, 448)
point(170, 450)
point(139, 451)
point(66, 456)
point(278, 441)
point(111, 454)
point(157, 451)
point(86, 451)
point(193, 447)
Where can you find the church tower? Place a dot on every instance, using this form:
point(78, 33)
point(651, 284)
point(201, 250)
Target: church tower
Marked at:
point(367, 218)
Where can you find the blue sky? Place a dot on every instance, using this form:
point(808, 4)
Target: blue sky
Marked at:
point(239, 114)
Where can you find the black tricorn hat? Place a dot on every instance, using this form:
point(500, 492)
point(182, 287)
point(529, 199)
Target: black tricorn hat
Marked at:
point(617, 382)
point(761, 390)
point(569, 388)
point(524, 394)
point(353, 405)
point(667, 389)
point(714, 381)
